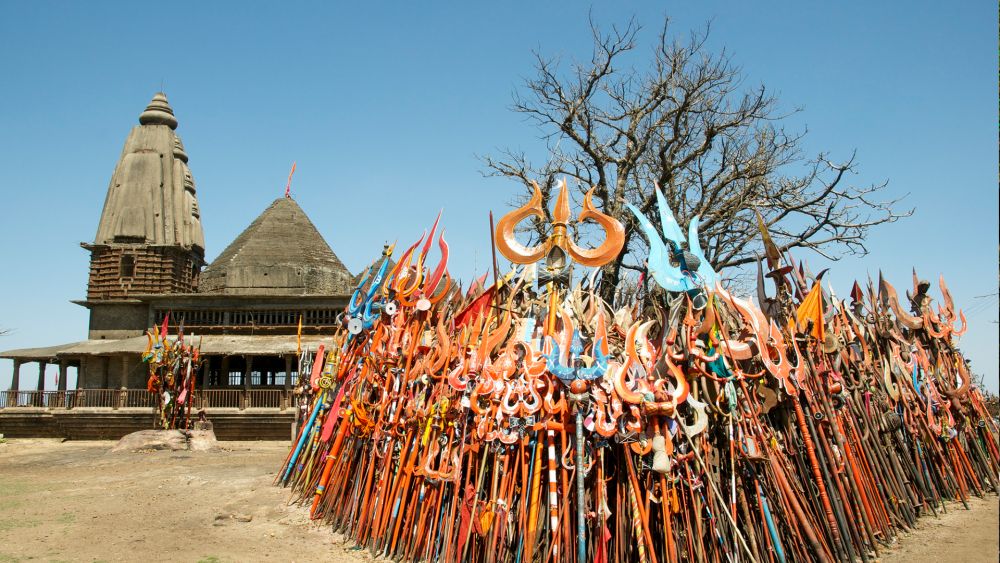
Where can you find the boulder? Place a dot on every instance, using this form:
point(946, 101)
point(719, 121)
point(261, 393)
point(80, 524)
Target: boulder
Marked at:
point(202, 440)
point(152, 440)
point(173, 440)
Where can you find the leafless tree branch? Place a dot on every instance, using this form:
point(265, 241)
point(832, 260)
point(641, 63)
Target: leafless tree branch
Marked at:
point(687, 123)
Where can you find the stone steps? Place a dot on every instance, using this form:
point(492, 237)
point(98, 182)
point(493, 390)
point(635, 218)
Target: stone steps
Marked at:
point(253, 426)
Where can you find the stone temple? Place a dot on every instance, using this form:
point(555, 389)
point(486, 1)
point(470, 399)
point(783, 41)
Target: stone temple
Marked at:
point(147, 262)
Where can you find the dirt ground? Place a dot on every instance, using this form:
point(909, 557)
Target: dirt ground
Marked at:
point(74, 501)
point(969, 536)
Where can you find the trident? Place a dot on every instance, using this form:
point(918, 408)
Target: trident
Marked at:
point(555, 249)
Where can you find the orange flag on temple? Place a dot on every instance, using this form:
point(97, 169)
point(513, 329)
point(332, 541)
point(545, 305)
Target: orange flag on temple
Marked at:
point(288, 186)
point(811, 309)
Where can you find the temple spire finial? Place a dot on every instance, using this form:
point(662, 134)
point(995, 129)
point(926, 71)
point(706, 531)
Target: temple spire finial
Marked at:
point(159, 112)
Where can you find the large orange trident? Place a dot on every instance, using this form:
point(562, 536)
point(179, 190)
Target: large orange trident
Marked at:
point(520, 254)
point(554, 249)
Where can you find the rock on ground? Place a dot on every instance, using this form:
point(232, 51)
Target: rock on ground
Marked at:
point(173, 440)
point(202, 441)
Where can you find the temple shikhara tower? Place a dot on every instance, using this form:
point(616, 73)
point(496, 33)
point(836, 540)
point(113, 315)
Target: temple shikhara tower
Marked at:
point(147, 266)
point(149, 239)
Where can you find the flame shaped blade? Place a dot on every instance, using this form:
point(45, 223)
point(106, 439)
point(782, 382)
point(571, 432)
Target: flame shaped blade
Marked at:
point(705, 270)
point(667, 276)
point(671, 229)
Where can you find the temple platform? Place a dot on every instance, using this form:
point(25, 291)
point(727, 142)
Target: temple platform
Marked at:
point(109, 414)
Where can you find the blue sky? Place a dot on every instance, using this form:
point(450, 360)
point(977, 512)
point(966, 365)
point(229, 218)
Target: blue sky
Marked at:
point(386, 107)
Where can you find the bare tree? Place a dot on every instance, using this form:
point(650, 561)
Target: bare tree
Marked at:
point(687, 124)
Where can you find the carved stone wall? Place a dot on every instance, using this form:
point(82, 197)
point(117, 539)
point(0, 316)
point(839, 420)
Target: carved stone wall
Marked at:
point(116, 272)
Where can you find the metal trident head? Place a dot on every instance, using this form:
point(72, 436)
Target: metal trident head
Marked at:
point(360, 313)
point(684, 276)
point(559, 237)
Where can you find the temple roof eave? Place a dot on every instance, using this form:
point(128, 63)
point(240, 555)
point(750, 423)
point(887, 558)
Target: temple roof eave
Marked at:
point(214, 345)
point(138, 299)
point(45, 353)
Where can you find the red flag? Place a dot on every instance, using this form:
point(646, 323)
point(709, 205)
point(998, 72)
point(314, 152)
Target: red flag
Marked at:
point(856, 294)
point(317, 368)
point(477, 284)
point(166, 323)
point(476, 308)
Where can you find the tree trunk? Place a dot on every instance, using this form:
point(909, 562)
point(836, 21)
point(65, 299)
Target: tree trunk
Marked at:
point(610, 274)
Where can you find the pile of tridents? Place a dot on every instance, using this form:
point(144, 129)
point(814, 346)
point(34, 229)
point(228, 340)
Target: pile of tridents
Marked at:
point(544, 425)
point(173, 369)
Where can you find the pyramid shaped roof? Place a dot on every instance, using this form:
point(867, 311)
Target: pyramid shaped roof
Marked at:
point(280, 253)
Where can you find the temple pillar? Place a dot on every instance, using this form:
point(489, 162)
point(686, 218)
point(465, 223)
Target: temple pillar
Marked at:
point(41, 375)
point(40, 385)
point(206, 369)
point(286, 399)
point(224, 376)
point(63, 366)
point(81, 373)
point(15, 379)
point(106, 374)
point(247, 375)
point(124, 376)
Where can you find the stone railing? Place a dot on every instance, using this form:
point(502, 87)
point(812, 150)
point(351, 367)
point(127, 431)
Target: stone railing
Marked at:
point(45, 399)
point(115, 399)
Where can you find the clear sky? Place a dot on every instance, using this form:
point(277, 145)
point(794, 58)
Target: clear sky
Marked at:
point(386, 107)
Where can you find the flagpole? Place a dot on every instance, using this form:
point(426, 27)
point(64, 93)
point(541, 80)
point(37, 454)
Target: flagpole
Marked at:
point(493, 247)
point(288, 186)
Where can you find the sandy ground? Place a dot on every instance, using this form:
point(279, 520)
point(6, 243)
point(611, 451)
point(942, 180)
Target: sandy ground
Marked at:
point(969, 536)
point(74, 501)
